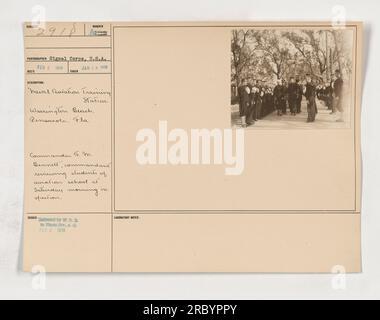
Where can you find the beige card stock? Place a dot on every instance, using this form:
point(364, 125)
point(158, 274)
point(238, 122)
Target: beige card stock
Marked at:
point(138, 159)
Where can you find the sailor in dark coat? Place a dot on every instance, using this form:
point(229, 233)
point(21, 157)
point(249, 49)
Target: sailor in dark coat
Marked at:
point(338, 94)
point(266, 108)
point(279, 97)
point(284, 96)
point(251, 107)
point(328, 95)
point(310, 93)
point(299, 95)
point(242, 96)
point(292, 96)
point(259, 93)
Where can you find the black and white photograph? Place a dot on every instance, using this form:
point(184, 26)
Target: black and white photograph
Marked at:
point(190, 158)
point(292, 78)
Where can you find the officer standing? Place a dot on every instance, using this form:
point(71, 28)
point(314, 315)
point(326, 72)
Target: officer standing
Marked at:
point(277, 93)
point(329, 95)
point(310, 92)
point(292, 96)
point(338, 94)
point(251, 107)
point(299, 95)
point(259, 93)
point(244, 101)
point(284, 93)
point(241, 93)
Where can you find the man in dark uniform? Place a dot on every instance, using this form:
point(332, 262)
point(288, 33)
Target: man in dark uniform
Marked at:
point(299, 95)
point(328, 95)
point(319, 91)
point(244, 102)
point(266, 108)
point(310, 92)
point(338, 94)
point(241, 93)
point(271, 100)
point(251, 107)
point(277, 95)
point(333, 111)
point(284, 96)
point(292, 96)
point(259, 93)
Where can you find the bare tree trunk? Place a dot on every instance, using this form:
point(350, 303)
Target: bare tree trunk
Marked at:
point(337, 49)
point(328, 70)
